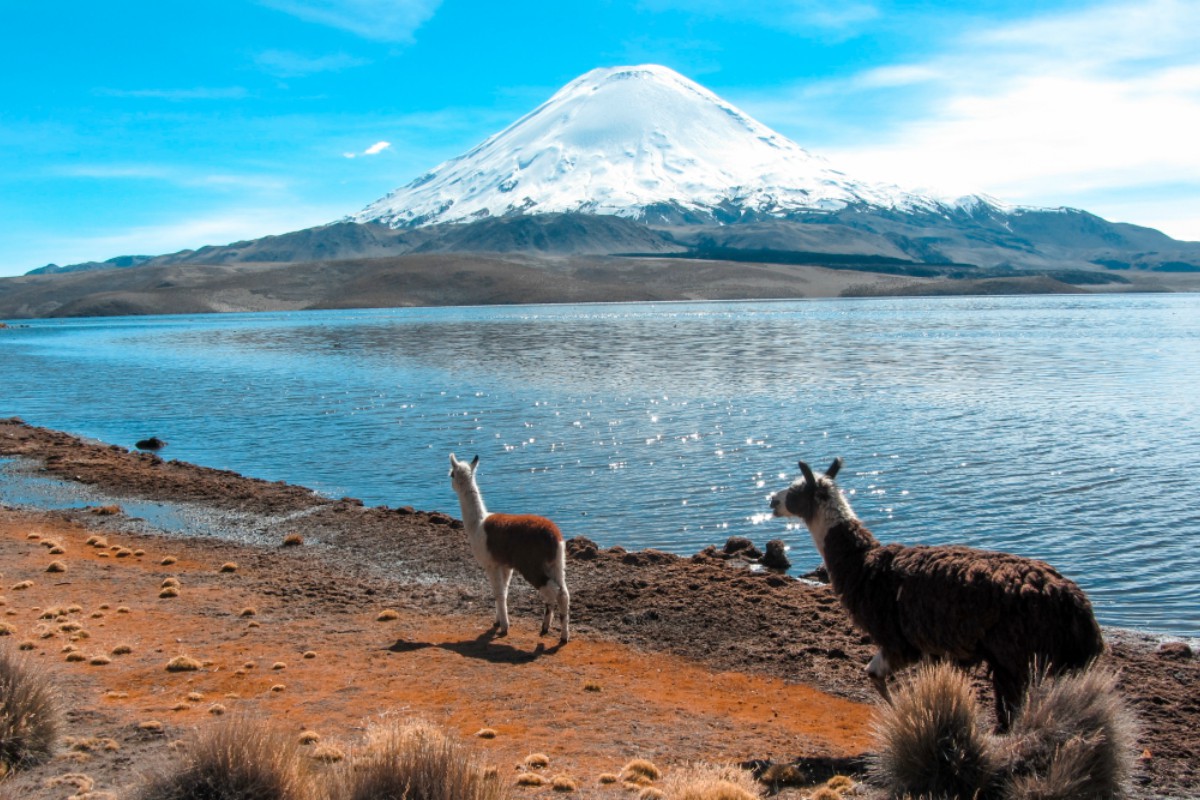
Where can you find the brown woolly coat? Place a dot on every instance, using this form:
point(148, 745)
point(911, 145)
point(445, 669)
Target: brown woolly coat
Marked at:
point(963, 604)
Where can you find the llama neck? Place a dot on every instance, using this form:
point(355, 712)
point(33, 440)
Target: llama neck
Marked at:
point(470, 500)
point(832, 512)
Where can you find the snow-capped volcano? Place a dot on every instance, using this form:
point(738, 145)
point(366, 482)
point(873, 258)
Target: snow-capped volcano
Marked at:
point(640, 142)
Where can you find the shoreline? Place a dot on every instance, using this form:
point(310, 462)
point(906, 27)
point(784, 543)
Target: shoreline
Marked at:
point(776, 632)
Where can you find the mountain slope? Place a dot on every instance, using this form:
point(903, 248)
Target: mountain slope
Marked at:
point(639, 142)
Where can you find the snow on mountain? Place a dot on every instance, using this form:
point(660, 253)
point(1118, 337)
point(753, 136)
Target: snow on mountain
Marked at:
point(641, 142)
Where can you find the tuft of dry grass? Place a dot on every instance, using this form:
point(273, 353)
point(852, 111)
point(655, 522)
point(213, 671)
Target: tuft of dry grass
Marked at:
point(122, 650)
point(640, 768)
point(168, 561)
point(76, 657)
point(233, 758)
point(151, 725)
point(327, 754)
point(170, 582)
point(1073, 737)
point(840, 783)
point(308, 737)
point(293, 540)
point(57, 550)
point(279, 665)
point(26, 645)
point(825, 793)
point(537, 761)
point(123, 610)
point(930, 741)
point(248, 612)
point(6, 629)
point(486, 733)
point(99, 660)
point(387, 615)
point(22, 585)
point(30, 713)
point(563, 783)
point(608, 778)
point(56, 566)
point(216, 709)
point(531, 779)
point(183, 663)
point(229, 566)
point(650, 793)
point(416, 761)
point(310, 654)
point(168, 592)
point(702, 781)
point(279, 687)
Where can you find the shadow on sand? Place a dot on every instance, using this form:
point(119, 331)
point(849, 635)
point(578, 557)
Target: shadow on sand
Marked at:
point(484, 647)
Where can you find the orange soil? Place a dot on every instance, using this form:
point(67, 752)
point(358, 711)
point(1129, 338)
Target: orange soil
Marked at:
point(590, 705)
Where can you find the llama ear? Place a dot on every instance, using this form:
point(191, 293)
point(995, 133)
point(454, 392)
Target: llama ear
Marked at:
point(474, 462)
point(834, 468)
point(810, 490)
point(453, 460)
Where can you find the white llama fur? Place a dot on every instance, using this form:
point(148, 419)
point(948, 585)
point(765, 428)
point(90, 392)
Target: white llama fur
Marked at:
point(503, 543)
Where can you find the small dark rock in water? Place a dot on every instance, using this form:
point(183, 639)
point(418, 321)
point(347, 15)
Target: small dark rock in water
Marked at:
point(1174, 651)
point(776, 555)
point(741, 546)
point(153, 443)
point(820, 575)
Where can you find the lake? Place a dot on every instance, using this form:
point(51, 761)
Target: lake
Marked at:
point(1060, 427)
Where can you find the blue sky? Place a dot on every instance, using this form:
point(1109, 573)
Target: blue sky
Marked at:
point(131, 127)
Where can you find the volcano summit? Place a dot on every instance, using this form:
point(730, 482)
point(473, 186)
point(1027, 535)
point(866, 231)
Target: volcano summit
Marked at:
point(643, 143)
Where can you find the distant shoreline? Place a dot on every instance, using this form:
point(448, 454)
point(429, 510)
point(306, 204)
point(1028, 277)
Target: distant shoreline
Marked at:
point(492, 280)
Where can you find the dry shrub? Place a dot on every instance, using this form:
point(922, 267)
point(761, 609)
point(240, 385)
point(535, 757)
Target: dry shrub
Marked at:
point(1074, 737)
point(183, 664)
point(233, 759)
point(416, 761)
point(30, 715)
point(709, 782)
point(930, 741)
point(563, 783)
point(530, 779)
point(640, 768)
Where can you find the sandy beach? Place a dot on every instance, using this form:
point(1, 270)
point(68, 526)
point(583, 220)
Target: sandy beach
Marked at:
point(672, 659)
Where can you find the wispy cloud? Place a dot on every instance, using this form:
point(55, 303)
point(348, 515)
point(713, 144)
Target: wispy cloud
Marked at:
point(178, 95)
point(373, 150)
point(380, 20)
point(285, 64)
point(796, 16)
point(1093, 105)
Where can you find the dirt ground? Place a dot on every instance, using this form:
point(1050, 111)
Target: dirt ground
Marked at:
point(672, 659)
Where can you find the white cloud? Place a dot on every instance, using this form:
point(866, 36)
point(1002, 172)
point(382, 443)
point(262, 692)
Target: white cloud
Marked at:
point(373, 150)
point(1085, 109)
point(381, 20)
point(795, 16)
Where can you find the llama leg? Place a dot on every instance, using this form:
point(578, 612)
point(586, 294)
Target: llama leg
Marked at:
point(549, 594)
point(504, 575)
point(564, 613)
point(878, 670)
point(1009, 691)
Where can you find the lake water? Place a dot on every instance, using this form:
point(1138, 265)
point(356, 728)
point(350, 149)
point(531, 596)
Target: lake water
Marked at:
point(1064, 428)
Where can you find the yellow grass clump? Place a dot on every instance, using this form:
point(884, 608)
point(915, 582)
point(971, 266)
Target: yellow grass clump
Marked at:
point(183, 663)
point(537, 760)
point(229, 566)
point(168, 592)
point(387, 615)
point(640, 768)
point(30, 715)
point(168, 561)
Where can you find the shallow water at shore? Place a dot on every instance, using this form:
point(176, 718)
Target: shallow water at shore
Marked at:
point(1061, 428)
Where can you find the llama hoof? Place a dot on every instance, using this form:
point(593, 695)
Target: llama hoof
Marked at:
point(563, 640)
point(501, 632)
point(544, 631)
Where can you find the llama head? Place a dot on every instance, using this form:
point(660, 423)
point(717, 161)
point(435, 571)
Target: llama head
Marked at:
point(462, 474)
point(806, 495)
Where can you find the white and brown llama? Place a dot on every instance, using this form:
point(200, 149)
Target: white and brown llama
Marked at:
point(501, 543)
